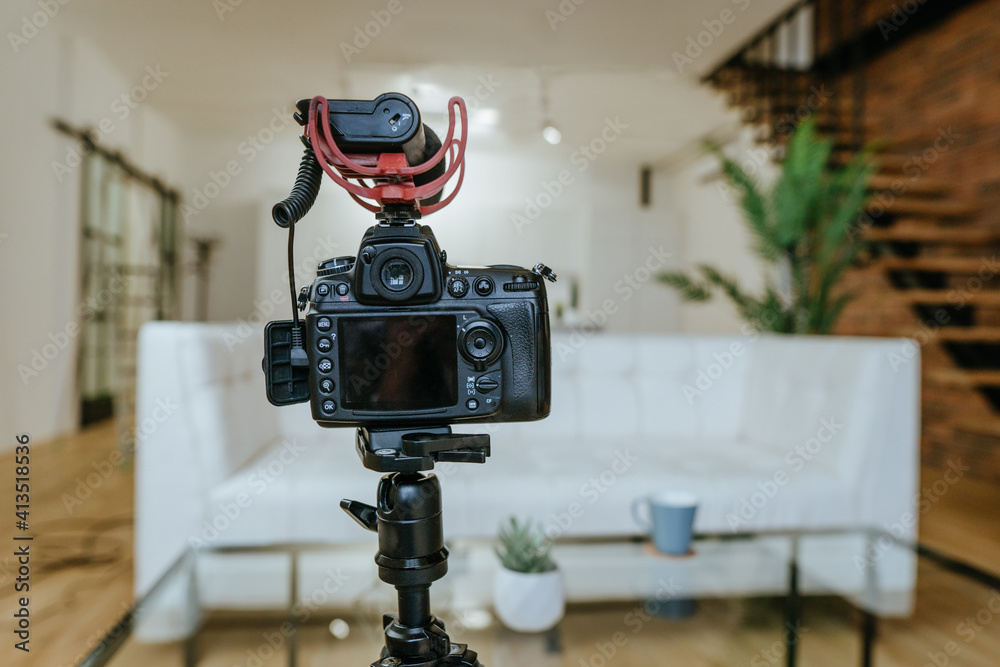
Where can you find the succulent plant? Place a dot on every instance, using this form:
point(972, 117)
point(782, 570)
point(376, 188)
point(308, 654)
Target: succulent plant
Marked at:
point(523, 547)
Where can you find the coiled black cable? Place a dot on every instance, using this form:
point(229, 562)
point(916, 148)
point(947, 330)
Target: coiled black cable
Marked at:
point(286, 213)
point(293, 208)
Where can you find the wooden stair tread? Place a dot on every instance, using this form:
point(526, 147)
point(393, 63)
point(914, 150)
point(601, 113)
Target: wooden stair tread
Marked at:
point(887, 162)
point(840, 120)
point(951, 296)
point(929, 208)
point(947, 334)
point(960, 265)
point(924, 186)
point(965, 377)
point(933, 234)
point(989, 426)
point(969, 334)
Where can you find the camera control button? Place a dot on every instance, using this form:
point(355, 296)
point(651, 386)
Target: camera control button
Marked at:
point(484, 286)
point(323, 289)
point(472, 404)
point(324, 324)
point(329, 406)
point(325, 365)
point(486, 384)
point(458, 287)
point(324, 344)
point(481, 342)
point(342, 289)
point(326, 385)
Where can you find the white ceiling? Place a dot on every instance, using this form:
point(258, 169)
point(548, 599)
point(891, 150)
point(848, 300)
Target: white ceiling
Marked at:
point(232, 61)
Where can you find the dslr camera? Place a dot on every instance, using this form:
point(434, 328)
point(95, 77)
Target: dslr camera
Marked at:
point(396, 336)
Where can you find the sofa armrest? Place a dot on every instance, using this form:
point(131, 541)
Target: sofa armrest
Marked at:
point(887, 471)
point(854, 404)
point(201, 414)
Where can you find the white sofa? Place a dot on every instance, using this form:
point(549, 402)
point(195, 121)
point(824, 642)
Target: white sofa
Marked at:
point(772, 433)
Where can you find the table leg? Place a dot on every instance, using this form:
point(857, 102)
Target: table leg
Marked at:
point(191, 650)
point(293, 639)
point(191, 641)
point(869, 621)
point(869, 631)
point(793, 608)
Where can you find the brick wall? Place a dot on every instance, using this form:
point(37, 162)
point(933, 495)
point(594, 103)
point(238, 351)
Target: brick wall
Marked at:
point(948, 77)
point(936, 96)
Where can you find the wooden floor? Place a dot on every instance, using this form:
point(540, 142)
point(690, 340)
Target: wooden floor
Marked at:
point(81, 576)
point(82, 581)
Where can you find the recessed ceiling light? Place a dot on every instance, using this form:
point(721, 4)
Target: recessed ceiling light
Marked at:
point(340, 629)
point(552, 134)
point(485, 117)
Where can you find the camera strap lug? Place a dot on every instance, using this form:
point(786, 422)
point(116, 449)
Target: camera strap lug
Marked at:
point(545, 272)
point(303, 299)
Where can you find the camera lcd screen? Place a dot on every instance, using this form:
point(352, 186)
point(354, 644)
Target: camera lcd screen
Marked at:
point(398, 363)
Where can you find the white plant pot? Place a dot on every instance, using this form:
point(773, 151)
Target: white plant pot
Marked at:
point(529, 602)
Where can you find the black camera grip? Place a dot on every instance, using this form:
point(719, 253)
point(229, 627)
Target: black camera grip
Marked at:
point(518, 320)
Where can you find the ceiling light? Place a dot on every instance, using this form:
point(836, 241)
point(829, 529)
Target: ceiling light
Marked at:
point(485, 117)
point(552, 134)
point(340, 629)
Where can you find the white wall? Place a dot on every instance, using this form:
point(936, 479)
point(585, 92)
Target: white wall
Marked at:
point(592, 232)
point(628, 246)
point(53, 76)
point(712, 229)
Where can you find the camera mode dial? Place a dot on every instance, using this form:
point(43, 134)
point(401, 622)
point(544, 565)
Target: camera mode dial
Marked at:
point(458, 287)
point(335, 266)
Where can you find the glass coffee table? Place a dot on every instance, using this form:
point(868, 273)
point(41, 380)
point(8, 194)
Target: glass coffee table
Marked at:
point(748, 599)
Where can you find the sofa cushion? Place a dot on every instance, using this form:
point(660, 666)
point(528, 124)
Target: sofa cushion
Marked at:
point(653, 386)
point(575, 487)
point(818, 379)
point(585, 487)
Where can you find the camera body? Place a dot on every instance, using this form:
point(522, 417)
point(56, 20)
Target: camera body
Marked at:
point(397, 336)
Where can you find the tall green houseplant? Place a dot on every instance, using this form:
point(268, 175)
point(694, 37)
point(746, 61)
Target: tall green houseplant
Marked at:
point(805, 228)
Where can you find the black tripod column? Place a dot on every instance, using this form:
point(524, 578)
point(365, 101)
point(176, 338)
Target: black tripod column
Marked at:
point(411, 552)
point(411, 557)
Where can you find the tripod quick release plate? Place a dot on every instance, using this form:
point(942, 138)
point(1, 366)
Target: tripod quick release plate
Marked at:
point(393, 450)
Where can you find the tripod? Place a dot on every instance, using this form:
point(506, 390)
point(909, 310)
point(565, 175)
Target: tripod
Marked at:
point(411, 553)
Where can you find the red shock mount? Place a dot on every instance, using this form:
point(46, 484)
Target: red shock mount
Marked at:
point(391, 175)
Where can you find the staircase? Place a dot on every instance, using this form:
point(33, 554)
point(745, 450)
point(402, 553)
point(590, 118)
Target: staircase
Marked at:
point(932, 268)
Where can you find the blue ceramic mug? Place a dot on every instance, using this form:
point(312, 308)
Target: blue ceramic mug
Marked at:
point(669, 518)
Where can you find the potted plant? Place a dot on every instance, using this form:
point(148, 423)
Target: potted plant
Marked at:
point(806, 228)
point(528, 592)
